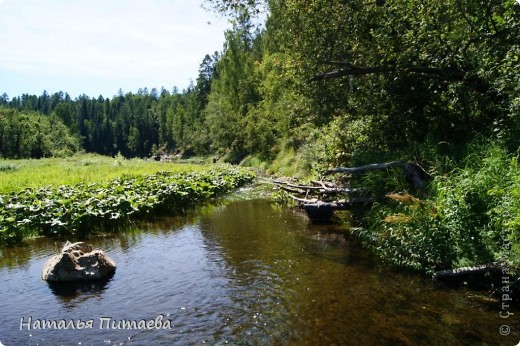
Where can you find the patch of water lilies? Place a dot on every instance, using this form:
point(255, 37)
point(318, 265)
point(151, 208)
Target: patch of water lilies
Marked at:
point(82, 208)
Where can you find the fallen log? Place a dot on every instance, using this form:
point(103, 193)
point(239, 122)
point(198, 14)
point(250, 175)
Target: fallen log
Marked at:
point(322, 207)
point(340, 205)
point(323, 184)
point(415, 174)
point(318, 210)
point(288, 189)
point(365, 168)
point(464, 272)
point(322, 189)
point(303, 187)
point(489, 277)
point(341, 190)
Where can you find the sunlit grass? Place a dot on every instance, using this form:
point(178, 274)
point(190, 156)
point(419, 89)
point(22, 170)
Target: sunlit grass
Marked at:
point(80, 209)
point(290, 163)
point(16, 175)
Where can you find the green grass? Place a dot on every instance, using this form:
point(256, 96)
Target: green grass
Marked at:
point(16, 175)
point(287, 163)
point(107, 196)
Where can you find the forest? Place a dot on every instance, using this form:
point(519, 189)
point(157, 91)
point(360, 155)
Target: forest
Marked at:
point(322, 84)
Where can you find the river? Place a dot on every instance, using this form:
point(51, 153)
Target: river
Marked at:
point(242, 270)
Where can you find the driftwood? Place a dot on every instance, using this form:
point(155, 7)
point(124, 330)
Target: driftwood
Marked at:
point(297, 186)
point(365, 168)
point(464, 272)
point(312, 189)
point(415, 174)
point(339, 205)
point(319, 210)
point(487, 276)
point(320, 198)
point(322, 183)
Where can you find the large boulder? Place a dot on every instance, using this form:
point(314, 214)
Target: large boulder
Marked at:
point(78, 262)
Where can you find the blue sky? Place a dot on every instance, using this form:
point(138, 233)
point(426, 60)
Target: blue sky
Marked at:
point(98, 46)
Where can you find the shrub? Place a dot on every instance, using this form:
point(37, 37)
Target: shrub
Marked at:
point(473, 211)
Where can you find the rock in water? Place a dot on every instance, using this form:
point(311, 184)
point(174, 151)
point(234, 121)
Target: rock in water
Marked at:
point(78, 262)
point(319, 212)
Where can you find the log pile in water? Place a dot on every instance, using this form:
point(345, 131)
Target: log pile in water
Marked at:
point(321, 198)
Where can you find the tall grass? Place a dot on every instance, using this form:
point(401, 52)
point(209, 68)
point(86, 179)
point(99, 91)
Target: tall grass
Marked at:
point(81, 168)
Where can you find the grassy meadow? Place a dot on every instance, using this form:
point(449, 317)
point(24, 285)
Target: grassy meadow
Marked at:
point(87, 193)
point(16, 175)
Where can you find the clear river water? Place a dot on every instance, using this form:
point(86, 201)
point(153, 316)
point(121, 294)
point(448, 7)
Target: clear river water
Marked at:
point(242, 270)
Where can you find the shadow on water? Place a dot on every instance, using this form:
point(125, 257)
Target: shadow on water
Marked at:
point(68, 291)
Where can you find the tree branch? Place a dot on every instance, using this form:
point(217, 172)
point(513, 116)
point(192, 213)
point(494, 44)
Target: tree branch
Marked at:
point(365, 168)
point(448, 74)
point(414, 173)
point(349, 69)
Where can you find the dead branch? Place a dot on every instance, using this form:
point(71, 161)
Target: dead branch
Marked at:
point(449, 74)
point(448, 274)
point(365, 168)
point(291, 190)
point(303, 187)
point(322, 189)
point(340, 204)
point(414, 173)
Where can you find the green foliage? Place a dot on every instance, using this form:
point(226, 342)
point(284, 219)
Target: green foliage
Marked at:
point(480, 203)
point(290, 162)
point(408, 235)
point(235, 6)
point(443, 72)
point(24, 135)
point(350, 83)
point(84, 208)
point(474, 211)
point(233, 94)
point(343, 141)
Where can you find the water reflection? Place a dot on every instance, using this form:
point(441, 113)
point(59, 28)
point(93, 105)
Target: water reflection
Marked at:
point(68, 292)
point(315, 284)
point(19, 256)
point(124, 239)
point(242, 271)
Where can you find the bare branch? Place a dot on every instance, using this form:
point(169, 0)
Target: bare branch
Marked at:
point(365, 168)
point(448, 74)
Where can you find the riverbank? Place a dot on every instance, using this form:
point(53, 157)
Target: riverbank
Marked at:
point(465, 215)
point(82, 208)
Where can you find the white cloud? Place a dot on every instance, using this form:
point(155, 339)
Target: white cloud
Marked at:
point(92, 45)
